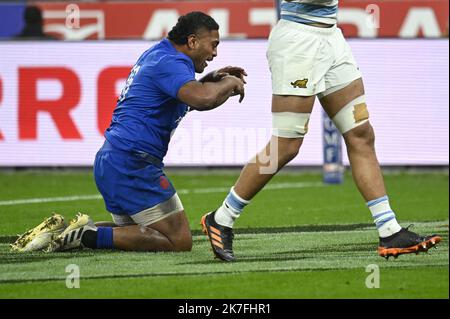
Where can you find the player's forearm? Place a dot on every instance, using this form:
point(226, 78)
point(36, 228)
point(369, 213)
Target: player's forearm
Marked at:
point(215, 94)
point(210, 77)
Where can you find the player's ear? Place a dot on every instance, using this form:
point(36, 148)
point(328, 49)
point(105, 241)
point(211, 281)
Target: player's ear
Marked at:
point(192, 41)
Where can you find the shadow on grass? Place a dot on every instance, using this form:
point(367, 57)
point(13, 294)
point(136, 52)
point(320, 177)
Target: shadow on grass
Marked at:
point(296, 229)
point(292, 255)
point(7, 257)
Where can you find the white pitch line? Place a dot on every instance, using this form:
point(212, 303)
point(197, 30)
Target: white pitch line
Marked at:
point(181, 191)
point(268, 187)
point(48, 200)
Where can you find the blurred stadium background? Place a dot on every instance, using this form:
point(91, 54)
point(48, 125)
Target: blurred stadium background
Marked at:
point(56, 99)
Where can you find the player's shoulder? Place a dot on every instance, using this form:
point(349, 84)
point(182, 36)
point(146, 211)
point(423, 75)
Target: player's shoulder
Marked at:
point(174, 57)
point(163, 51)
point(165, 59)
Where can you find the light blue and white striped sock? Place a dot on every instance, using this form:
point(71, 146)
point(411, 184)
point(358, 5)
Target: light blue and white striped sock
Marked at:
point(231, 209)
point(383, 216)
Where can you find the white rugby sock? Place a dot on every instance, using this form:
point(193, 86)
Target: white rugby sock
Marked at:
point(383, 216)
point(231, 208)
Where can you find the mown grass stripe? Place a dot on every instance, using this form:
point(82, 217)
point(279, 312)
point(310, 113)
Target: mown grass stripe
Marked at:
point(260, 230)
point(5, 239)
point(257, 253)
point(208, 190)
point(183, 274)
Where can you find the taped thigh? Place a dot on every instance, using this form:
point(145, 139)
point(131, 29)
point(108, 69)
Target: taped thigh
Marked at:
point(158, 212)
point(290, 124)
point(122, 220)
point(352, 115)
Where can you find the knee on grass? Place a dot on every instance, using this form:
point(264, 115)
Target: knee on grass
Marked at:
point(185, 246)
point(183, 242)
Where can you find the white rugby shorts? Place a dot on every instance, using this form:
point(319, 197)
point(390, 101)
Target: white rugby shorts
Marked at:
point(306, 60)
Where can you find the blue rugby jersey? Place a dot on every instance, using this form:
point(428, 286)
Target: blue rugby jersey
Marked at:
point(308, 11)
point(148, 110)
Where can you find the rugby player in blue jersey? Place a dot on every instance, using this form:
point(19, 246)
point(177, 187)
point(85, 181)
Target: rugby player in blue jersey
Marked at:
point(128, 169)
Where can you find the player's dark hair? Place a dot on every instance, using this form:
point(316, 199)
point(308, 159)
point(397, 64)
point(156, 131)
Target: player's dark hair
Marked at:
point(32, 15)
point(189, 24)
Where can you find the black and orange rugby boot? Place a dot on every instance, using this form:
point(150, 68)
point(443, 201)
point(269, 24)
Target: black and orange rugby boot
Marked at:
point(220, 237)
point(406, 242)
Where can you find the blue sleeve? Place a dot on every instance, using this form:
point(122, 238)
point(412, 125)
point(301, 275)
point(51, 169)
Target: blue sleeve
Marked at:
point(172, 74)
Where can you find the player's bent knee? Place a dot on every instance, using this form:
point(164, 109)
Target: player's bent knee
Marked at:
point(181, 239)
point(362, 132)
point(289, 148)
point(183, 242)
point(352, 115)
point(360, 136)
point(180, 234)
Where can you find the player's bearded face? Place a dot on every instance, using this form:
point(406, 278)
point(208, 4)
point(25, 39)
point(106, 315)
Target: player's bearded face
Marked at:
point(205, 49)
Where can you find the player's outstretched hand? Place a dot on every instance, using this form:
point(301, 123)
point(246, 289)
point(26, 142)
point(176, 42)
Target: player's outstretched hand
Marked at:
point(231, 70)
point(239, 88)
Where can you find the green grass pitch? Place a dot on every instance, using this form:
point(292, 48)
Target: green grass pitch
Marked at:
point(297, 239)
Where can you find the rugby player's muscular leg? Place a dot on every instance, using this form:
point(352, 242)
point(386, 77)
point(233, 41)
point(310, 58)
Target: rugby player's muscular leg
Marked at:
point(360, 143)
point(277, 153)
point(170, 234)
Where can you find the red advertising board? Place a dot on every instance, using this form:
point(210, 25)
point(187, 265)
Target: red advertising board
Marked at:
point(57, 99)
point(239, 19)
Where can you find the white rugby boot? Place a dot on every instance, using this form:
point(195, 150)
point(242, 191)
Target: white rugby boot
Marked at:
point(39, 237)
point(70, 238)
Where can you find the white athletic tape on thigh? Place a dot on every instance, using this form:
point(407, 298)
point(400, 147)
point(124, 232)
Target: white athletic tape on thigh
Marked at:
point(158, 212)
point(290, 124)
point(122, 220)
point(352, 115)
